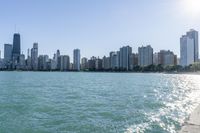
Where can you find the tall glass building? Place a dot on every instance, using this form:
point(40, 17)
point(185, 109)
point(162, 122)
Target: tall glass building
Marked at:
point(16, 48)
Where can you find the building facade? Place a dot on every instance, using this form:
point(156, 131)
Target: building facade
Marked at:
point(145, 56)
point(76, 60)
point(16, 51)
point(84, 63)
point(194, 35)
point(34, 57)
point(125, 53)
point(186, 50)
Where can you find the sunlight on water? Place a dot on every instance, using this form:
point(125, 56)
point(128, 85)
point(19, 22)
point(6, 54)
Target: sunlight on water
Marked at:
point(179, 103)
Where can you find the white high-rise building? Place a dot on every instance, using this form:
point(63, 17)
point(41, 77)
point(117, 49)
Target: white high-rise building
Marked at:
point(145, 56)
point(125, 53)
point(186, 50)
point(77, 57)
point(34, 56)
point(194, 35)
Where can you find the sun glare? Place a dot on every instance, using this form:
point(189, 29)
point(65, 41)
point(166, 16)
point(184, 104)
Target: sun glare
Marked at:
point(191, 7)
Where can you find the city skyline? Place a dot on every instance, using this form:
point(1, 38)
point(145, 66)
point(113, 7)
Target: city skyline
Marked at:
point(90, 25)
point(123, 59)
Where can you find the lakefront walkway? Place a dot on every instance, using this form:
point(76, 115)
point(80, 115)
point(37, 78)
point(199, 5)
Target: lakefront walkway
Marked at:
point(193, 124)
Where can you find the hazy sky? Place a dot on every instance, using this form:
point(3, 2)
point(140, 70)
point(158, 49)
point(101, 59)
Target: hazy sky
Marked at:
point(97, 26)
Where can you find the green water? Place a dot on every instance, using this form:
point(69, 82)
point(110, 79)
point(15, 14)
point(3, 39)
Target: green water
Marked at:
point(43, 102)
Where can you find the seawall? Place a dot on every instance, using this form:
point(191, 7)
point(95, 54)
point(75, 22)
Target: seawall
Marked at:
point(192, 125)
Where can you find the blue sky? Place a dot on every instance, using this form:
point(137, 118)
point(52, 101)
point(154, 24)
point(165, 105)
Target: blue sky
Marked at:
point(95, 26)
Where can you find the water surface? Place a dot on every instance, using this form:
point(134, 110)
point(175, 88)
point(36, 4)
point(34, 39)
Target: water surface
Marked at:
point(75, 102)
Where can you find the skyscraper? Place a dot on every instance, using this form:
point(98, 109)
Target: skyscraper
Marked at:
point(16, 48)
point(113, 60)
point(194, 35)
point(145, 56)
point(7, 53)
point(125, 53)
point(57, 55)
point(43, 62)
point(84, 63)
point(28, 61)
point(186, 50)
point(65, 63)
point(34, 57)
point(77, 57)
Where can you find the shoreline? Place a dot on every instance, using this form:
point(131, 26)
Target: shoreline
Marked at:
point(192, 73)
point(192, 125)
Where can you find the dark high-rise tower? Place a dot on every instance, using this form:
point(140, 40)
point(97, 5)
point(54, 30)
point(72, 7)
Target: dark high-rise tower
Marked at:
point(16, 48)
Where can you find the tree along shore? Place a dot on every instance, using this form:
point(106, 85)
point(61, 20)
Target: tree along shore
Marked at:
point(151, 68)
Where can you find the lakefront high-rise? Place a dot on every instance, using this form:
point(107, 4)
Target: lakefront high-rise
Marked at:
point(34, 57)
point(186, 50)
point(193, 34)
point(16, 49)
point(189, 48)
point(145, 55)
point(124, 55)
point(77, 57)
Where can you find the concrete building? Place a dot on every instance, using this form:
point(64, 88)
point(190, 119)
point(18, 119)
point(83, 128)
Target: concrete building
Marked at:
point(114, 60)
point(7, 52)
point(145, 56)
point(34, 57)
point(125, 53)
point(43, 61)
point(57, 55)
point(106, 63)
point(186, 50)
point(28, 60)
point(66, 63)
point(53, 64)
point(2, 66)
point(7, 56)
point(155, 59)
point(92, 63)
point(22, 62)
point(84, 63)
point(76, 60)
point(98, 64)
point(166, 58)
point(133, 61)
